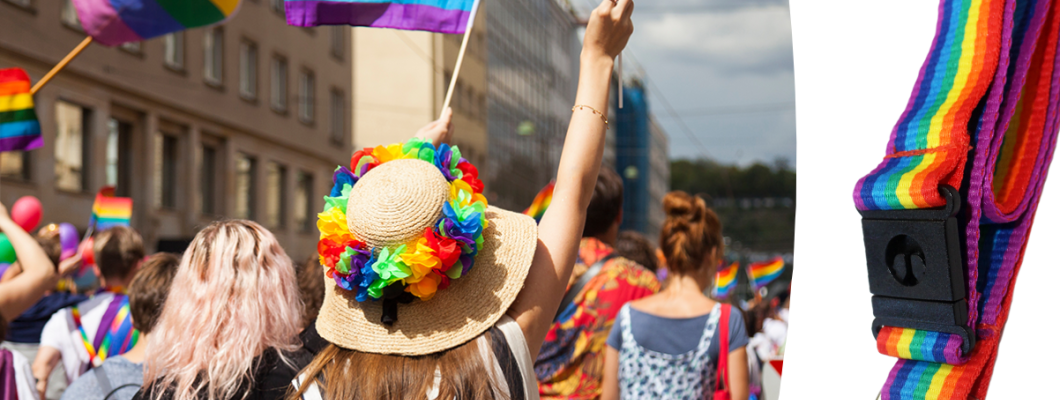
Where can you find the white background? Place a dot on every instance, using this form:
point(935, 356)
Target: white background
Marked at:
point(855, 66)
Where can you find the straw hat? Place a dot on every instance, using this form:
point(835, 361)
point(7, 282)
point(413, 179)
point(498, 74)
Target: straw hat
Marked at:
point(393, 204)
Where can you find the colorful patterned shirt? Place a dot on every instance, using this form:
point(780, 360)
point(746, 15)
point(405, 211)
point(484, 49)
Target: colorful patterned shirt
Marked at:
point(571, 365)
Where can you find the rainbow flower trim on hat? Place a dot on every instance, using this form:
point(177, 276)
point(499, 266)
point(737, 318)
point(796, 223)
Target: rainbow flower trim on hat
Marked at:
point(423, 266)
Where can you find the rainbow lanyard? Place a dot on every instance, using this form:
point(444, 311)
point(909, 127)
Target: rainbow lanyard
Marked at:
point(944, 237)
point(121, 331)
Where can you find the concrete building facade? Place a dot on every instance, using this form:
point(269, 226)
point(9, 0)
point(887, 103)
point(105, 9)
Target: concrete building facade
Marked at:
point(243, 120)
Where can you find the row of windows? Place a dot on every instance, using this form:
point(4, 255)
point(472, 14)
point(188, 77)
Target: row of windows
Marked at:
point(72, 164)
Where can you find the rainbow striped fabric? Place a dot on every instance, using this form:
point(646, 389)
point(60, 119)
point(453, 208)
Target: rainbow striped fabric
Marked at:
point(541, 202)
point(764, 272)
point(117, 338)
point(113, 22)
point(929, 145)
point(725, 280)
point(108, 210)
point(442, 16)
point(19, 128)
point(1013, 136)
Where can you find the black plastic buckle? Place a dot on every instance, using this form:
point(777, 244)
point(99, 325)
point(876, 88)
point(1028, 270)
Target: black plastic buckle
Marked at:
point(916, 269)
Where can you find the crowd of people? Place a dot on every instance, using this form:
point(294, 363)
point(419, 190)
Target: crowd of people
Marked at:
point(420, 290)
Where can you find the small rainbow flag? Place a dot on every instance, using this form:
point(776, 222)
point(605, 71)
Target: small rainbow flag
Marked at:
point(113, 22)
point(442, 16)
point(725, 280)
point(541, 202)
point(764, 272)
point(19, 128)
point(110, 211)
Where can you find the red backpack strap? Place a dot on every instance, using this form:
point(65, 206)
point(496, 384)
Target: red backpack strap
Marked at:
point(723, 353)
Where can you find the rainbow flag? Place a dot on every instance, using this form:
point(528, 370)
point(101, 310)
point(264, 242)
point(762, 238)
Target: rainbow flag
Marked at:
point(725, 280)
point(113, 22)
point(110, 211)
point(19, 128)
point(764, 272)
point(442, 16)
point(541, 202)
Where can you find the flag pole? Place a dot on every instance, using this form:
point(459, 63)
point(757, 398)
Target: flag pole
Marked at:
point(58, 67)
point(459, 59)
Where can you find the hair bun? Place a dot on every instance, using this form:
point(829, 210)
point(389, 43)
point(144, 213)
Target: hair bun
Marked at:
point(681, 205)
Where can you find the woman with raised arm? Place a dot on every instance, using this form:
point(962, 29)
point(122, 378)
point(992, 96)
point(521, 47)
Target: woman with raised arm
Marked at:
point(432, 293)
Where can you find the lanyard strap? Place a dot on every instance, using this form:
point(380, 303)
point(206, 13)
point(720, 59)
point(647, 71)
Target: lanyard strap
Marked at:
point(1013, 127)
point(115, 334)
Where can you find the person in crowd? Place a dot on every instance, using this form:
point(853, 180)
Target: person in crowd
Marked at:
point(118, 251)
point(231, 326)
point(667, 346)
point(23, 333)
point(474, 335)
point(633, 246)
point(311, 288)
point(17, 294)
point(120, 377)
point(570, 364)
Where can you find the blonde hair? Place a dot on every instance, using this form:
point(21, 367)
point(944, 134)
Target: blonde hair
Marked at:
point(689, 234)
point(234, 296)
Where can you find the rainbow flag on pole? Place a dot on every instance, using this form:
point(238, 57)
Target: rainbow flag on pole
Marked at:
point(113, 22)
point(541, 202)
point(19, 128)
point(442, 16)
point(764, 272)
point(725, 280)
point(110, 211)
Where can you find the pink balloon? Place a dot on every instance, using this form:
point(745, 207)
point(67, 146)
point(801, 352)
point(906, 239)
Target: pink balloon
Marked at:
point(26, 212)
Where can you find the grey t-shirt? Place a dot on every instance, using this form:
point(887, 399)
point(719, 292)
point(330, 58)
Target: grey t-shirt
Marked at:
point(124, 376)
point(677, 335)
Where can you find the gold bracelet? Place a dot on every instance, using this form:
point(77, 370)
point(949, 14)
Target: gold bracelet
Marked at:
point(582, 107)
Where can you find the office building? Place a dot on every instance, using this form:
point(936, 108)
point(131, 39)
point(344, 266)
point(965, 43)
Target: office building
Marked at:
point(643, 162)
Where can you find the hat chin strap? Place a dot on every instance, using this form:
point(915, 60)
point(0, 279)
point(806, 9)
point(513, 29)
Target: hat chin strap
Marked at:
point(392, 296)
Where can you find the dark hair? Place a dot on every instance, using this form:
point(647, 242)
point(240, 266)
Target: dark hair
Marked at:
point(605, 205)
point(117, 251)
point(149, 289)
point(49, 242)
point(689, 234)
point(635, 247)
point(311, 288)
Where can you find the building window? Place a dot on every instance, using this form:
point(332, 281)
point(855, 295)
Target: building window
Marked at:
point(338, 41)
point(15, 165)
point(245, 174)
point(303, 201)
point(248, 70)
point(208, 180)
point(306, 97)
point(277, 5)
point(71, 146)
point(166, 159)
point(174, 50)
point(278, 98)
point(69, 13)
point(338, 116)
point(119, 160)
point(275, 206)
point(131, 47)
point(213, 52)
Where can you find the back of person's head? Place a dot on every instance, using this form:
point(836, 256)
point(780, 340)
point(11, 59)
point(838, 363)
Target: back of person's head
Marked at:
point(311, 288)
point(149, 288)
point(690, 234)
point(48, 239)
point(118, 250)
point(635, 247)
point(606, 204)
point(237, 298)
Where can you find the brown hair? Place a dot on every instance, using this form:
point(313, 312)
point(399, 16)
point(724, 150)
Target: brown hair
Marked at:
point(351, 374)
point(635, 247)
point(690, 232)
point(148, 290)
point(311, 287)
point(605, 205)
point(117, 251)
point(48, 239)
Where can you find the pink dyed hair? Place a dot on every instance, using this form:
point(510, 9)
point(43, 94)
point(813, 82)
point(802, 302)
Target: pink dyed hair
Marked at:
point(233, 297)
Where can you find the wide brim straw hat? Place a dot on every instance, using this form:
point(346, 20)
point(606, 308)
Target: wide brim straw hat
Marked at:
point(393, 204)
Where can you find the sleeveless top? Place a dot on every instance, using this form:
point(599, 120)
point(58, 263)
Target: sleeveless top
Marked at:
point(648, 374)
point(509, 358)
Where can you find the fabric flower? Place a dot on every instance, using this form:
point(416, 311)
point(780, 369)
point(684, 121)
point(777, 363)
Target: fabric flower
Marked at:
point(421, 260)
point(446, 249)
point(389, 265)
point(332, 222)
point(342, 177)
point(426, 287)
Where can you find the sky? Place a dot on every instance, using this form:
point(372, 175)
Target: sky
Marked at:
point(725, 68)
